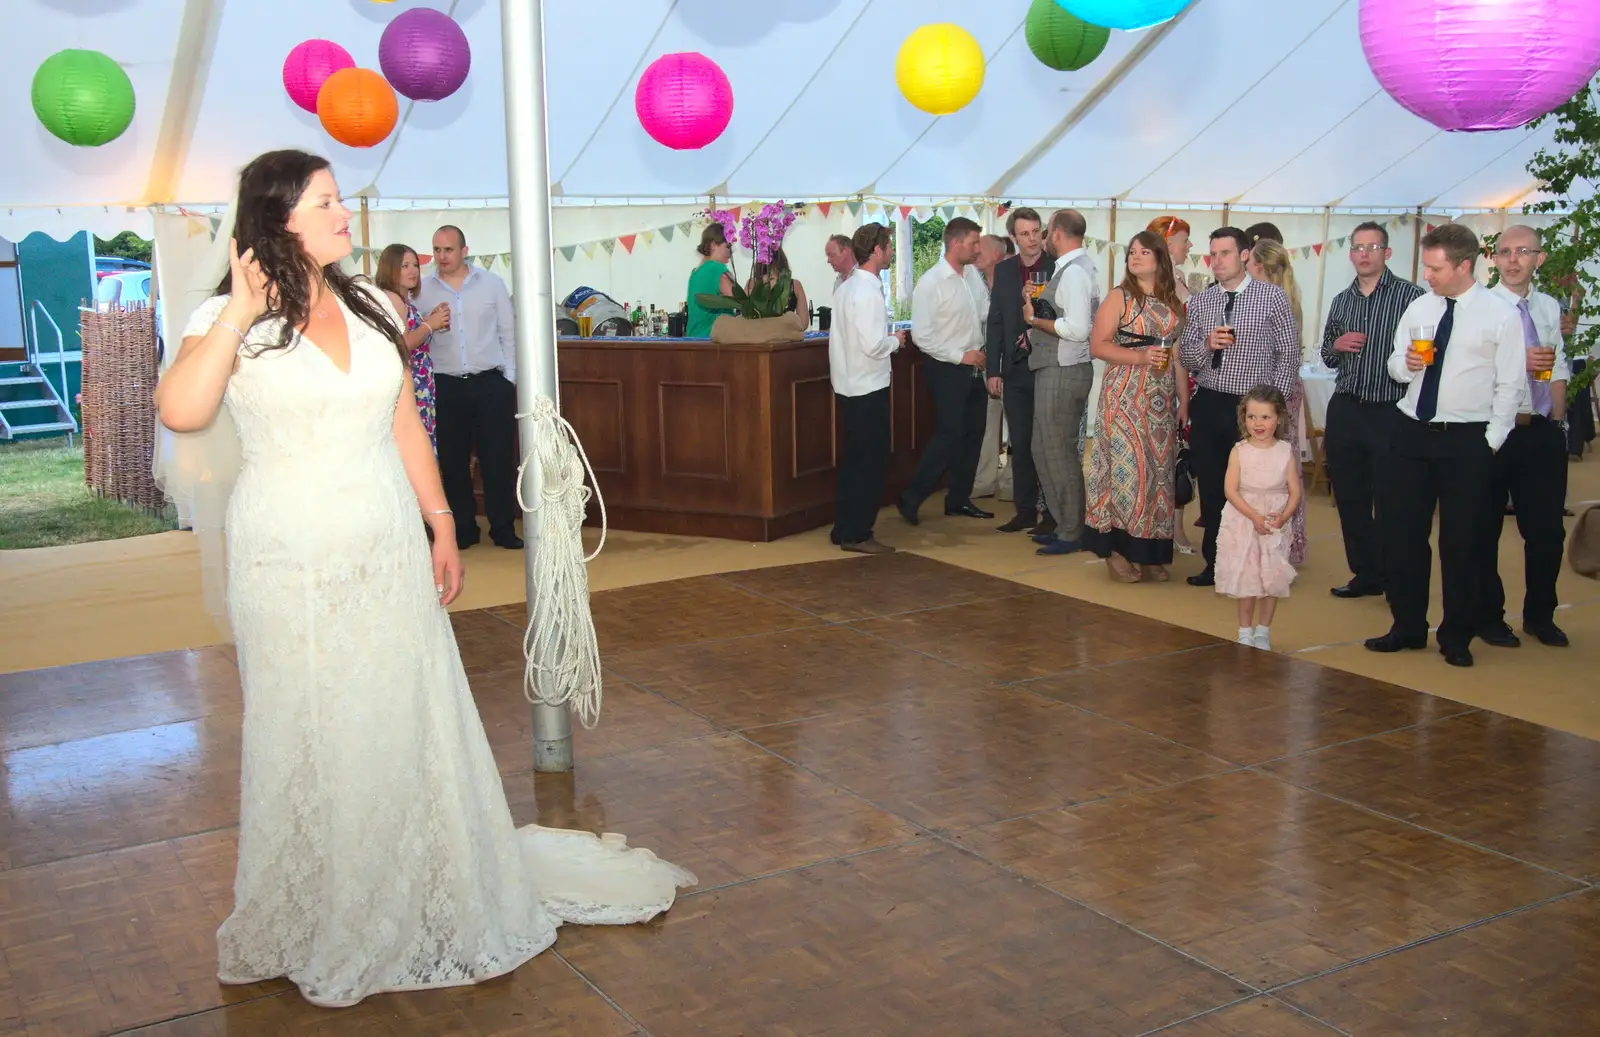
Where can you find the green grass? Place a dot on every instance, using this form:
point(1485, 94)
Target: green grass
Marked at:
point(44, 502)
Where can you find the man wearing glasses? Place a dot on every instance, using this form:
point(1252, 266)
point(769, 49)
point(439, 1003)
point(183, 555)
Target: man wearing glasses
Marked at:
point(1361, 414)
point(1240, 334)
point(1532, 465)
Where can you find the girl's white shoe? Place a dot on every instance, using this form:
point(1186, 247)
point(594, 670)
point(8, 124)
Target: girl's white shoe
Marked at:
point(1247, 637)
point(1262, 638)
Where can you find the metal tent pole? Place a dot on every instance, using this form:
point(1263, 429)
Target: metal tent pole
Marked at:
point(528, 161)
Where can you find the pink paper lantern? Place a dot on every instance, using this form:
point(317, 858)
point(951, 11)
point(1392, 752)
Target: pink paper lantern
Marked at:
point(684, 101)
point(308, 66)
point(424, 54)
point(1478, 65)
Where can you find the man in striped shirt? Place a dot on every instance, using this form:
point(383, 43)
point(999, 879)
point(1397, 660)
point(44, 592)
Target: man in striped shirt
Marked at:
point(1240, 334)
point(1356, 343)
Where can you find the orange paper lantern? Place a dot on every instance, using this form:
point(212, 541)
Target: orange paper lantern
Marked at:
point(357, 107)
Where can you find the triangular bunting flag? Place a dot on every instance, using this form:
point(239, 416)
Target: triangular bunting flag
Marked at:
point(648, 236)
point(1317, 248)
point(685, 226)
point(488, 261)
point(736, 212)
point(667, 232)
point(568, 251)
point(905, 210)
point(1429, 229)
point(610, 245)
point(1207, 259)
point(627, 242)
point(588, 249)
point(854, 207)
point(823, 207)
point(216, 222)
point(948, 212)
point(1099, 246)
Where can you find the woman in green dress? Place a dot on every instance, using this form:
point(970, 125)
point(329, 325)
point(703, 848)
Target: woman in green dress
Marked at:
point(709, 278)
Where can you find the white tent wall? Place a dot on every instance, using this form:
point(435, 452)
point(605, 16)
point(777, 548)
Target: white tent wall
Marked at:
point(656, 270)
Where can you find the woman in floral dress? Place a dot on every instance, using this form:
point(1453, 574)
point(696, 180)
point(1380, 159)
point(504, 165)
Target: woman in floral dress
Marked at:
point(1128, 518)
point(400, 275)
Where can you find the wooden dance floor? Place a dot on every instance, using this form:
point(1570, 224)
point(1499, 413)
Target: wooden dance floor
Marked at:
point(920, 800)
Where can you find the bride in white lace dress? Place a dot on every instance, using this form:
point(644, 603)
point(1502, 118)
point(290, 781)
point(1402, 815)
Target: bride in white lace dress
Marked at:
point(376, 849)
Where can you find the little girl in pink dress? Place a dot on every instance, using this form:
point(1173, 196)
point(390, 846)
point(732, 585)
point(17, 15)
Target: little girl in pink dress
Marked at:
point(1263, 488)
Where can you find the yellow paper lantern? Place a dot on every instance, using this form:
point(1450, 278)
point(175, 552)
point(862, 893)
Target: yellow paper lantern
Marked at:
point(939, 68)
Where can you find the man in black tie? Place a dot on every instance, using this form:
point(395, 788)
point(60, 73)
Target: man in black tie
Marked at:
point(1459, 350)
point(1240, 334)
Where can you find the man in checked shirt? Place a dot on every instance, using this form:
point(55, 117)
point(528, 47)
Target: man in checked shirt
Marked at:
point(1240, 334)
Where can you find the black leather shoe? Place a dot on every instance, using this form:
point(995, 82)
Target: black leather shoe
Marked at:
point(1456, 656)
point(1546, 633)
point(1357, 589)
point(969, 510)
point(1393, 642)
point(462, 543)
point(1204, 578)
point(510, 543)
point(1500, 637)
point(906, 511)
point(1018, 524)
point(1046, 528)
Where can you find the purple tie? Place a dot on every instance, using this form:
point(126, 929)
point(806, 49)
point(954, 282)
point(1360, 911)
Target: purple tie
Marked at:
point(1530, 336)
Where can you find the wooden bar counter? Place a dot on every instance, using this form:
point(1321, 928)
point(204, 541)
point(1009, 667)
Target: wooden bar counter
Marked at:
point(698, 439)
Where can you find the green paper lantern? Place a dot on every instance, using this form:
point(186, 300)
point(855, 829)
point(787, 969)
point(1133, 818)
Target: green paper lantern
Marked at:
point(1060, 40)
point(83, 97)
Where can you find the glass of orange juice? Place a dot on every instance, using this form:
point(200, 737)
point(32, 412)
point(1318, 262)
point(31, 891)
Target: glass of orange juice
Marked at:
point(1422, 342)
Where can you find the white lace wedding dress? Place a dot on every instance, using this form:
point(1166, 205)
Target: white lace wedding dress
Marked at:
point(376, 849)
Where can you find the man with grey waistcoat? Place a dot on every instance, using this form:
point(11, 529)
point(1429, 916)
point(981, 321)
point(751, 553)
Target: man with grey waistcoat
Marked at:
point(1058, 336)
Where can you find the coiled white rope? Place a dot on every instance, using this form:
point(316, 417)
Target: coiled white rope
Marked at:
point(563, 655)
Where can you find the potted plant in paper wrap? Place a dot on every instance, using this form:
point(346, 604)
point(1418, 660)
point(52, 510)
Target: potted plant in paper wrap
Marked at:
point(759, 315)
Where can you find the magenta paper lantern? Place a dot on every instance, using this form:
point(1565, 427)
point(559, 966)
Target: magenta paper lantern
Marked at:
point(424, 55)
point(308, 66)
point(1481, 64)
point(684, 101)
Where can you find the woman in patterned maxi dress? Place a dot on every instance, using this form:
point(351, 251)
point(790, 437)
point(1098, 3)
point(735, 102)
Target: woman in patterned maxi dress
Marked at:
point(1128, 518)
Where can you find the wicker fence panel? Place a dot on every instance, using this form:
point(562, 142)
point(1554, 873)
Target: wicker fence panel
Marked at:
point(118, 405)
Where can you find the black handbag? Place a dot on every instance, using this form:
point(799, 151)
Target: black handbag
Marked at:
point(1183, 478)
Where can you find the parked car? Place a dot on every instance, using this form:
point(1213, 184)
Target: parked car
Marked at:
point(129, 289)
point(105, 266)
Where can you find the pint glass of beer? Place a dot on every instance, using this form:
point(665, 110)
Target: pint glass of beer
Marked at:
point(1422, 342)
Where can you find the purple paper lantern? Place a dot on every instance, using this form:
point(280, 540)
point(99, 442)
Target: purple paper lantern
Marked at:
point(308, 66)
point(684, 101)
point(1478, 65)
point(424, 55)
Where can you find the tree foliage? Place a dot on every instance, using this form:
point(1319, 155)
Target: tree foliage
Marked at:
point(128, 245)
point(1570, 175)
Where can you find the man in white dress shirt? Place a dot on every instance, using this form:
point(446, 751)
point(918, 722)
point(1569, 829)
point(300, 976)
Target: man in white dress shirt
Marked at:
point(1532, 465)
point(860, 348)
point(840, 251)
point(1457, 411)
point(945, 326)
point(475, 375)
point(1062, 376)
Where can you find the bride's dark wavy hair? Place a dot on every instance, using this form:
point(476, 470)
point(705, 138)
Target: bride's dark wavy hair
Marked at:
point(269, 189)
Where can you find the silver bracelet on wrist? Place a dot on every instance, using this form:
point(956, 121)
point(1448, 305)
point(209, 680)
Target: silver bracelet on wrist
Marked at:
point(230, 327)
point(441, 511)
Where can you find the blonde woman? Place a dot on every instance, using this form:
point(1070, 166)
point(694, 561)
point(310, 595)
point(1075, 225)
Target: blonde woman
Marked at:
point(1269, 261)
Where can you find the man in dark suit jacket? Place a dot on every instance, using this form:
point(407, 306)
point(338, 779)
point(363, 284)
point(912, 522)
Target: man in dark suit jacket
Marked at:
point(1009, 377)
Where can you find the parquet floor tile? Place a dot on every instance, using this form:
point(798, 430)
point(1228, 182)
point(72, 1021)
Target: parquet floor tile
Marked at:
point(1265, 881)
point(919, 801)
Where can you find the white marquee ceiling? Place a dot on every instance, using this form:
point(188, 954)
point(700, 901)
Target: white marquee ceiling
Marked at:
point(1239, 101)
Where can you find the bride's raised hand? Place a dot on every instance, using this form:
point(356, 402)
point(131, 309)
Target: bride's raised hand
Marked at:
point(248, 287)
